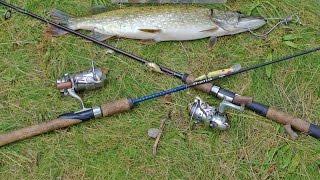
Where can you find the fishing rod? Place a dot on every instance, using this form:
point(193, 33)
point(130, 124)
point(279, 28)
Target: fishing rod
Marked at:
point(186, 78)
point(219, 92)
point(126, 104)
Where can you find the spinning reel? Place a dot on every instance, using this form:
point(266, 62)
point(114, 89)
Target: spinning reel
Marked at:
point(71, 84)
point(202, 112)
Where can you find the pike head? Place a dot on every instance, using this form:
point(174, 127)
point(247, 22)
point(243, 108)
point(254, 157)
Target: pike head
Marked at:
point(234, 22)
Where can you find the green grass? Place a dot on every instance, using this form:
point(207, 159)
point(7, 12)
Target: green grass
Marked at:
point(118, 147)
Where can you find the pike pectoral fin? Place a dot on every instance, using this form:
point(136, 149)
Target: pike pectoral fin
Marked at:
point(210, 30)
point(61, 18)
point(212, 41)
point(100, 37)
point(97, 9)
point(150, 30)
point(54, 31)
point(147, 41)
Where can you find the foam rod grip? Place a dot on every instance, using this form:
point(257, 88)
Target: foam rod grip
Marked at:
point(258, 108)
point(314, 131)
point(203, 87)
point(35, 130)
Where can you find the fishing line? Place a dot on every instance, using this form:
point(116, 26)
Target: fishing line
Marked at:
point(298, 20)
point(282, 20)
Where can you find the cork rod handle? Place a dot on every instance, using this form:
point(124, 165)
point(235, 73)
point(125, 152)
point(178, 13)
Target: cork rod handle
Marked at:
point(35, 130)
point(108, 109)
point(116, 107)
point(206, 88)
point(285, 119)
point(297, 123)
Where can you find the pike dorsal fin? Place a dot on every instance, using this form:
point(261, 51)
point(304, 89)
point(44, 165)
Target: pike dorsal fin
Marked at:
point(150, 30)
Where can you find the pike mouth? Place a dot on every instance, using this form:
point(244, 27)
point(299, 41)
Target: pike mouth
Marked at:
point(251, 22)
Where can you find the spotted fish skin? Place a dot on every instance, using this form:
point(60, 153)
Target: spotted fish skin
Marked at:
point(162, 23)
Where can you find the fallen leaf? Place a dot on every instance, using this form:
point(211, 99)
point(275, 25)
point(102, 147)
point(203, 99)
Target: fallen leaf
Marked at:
point(291, 44)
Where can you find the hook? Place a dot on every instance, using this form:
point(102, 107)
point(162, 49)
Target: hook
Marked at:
point(8, 14)
point(285, 21)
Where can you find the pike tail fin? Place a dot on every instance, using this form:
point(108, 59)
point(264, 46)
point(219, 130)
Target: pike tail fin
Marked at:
point(61, 18)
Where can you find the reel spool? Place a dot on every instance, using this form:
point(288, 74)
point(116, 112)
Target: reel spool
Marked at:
point(202, 112)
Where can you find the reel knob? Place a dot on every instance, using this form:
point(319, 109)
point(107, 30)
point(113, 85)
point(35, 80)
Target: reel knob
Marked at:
point(219, 121)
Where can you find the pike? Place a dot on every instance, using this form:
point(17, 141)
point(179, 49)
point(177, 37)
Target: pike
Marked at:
point(211, 89)
point(159, 23)
point(126, 104)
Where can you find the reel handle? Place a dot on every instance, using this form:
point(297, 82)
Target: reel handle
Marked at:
point(65, 85)
point(107, 109)
point(314, 131)
point(285, 119)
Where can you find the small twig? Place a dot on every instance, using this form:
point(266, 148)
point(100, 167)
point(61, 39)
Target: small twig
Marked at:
point(18, 43)
point(155, 145)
